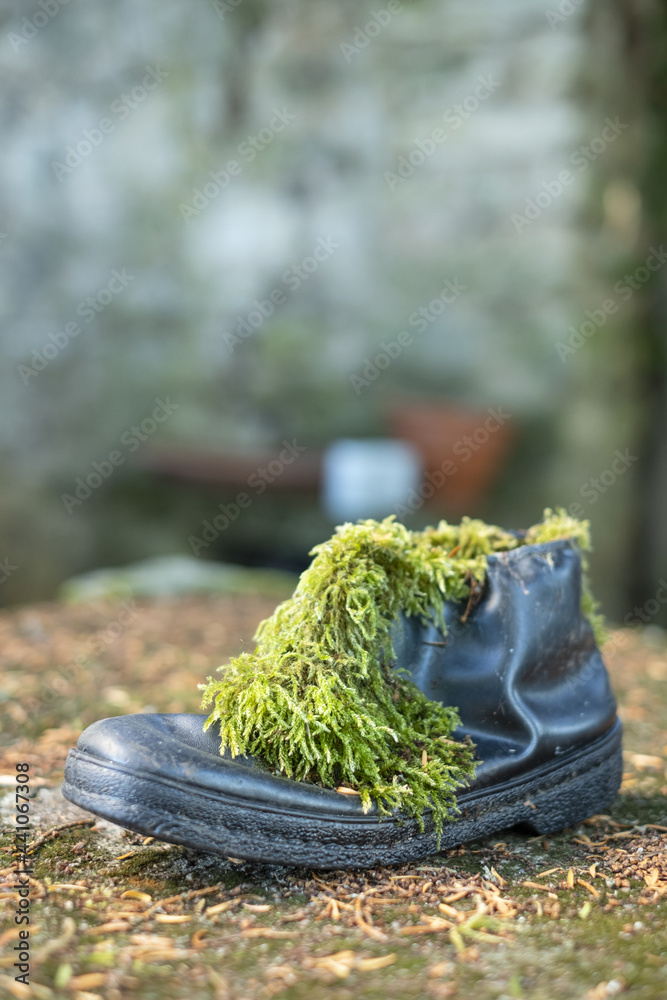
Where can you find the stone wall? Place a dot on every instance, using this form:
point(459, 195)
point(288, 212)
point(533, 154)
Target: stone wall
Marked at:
point(170, 176)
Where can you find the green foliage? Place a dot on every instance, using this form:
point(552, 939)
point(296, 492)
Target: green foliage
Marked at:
point(318, 699)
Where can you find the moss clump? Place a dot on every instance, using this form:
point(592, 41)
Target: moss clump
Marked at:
point(318, 699)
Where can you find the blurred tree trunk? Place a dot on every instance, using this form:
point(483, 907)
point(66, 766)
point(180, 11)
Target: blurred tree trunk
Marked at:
point(647, 58)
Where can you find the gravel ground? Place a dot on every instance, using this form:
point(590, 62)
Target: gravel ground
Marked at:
point(578, 915)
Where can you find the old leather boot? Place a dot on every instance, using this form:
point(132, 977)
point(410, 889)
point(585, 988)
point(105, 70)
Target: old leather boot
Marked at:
point(532, 691)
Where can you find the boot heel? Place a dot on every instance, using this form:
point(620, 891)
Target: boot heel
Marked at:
point(587, 790)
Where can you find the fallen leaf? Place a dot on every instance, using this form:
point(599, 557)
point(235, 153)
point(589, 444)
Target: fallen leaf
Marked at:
point(646, 761)
point(196, 940)
point(436, 924)
point(370, 964)
point(143, 897)
point(157, 940)
point(587, 885)
point(87, 981)
point(110, 928)
point(220, 907)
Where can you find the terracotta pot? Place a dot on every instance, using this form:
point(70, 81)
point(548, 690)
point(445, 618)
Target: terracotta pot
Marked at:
point(463, 451)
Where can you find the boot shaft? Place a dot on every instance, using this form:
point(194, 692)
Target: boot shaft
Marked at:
point(523, 669)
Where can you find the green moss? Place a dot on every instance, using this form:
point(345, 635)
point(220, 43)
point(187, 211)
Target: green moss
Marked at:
point(318, 699)
point(560, 525)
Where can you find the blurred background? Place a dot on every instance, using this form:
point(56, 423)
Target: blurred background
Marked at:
point(266, 267)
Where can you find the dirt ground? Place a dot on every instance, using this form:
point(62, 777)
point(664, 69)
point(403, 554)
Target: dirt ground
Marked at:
point(113, 915)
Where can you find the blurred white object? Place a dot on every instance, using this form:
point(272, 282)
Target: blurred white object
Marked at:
point(368, 478)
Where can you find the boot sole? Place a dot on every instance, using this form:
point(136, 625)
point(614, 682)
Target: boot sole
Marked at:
point(545, 800)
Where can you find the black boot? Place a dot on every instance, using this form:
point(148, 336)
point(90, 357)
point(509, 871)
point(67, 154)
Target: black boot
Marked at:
point(532, 692)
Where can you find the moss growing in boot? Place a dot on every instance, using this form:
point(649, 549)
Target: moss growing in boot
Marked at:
point(318, 699)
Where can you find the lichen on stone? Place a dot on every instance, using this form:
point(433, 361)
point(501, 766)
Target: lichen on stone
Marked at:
point(319, 699)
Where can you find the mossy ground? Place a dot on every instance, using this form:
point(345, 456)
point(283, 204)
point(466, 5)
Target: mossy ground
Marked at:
point(587, 947)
